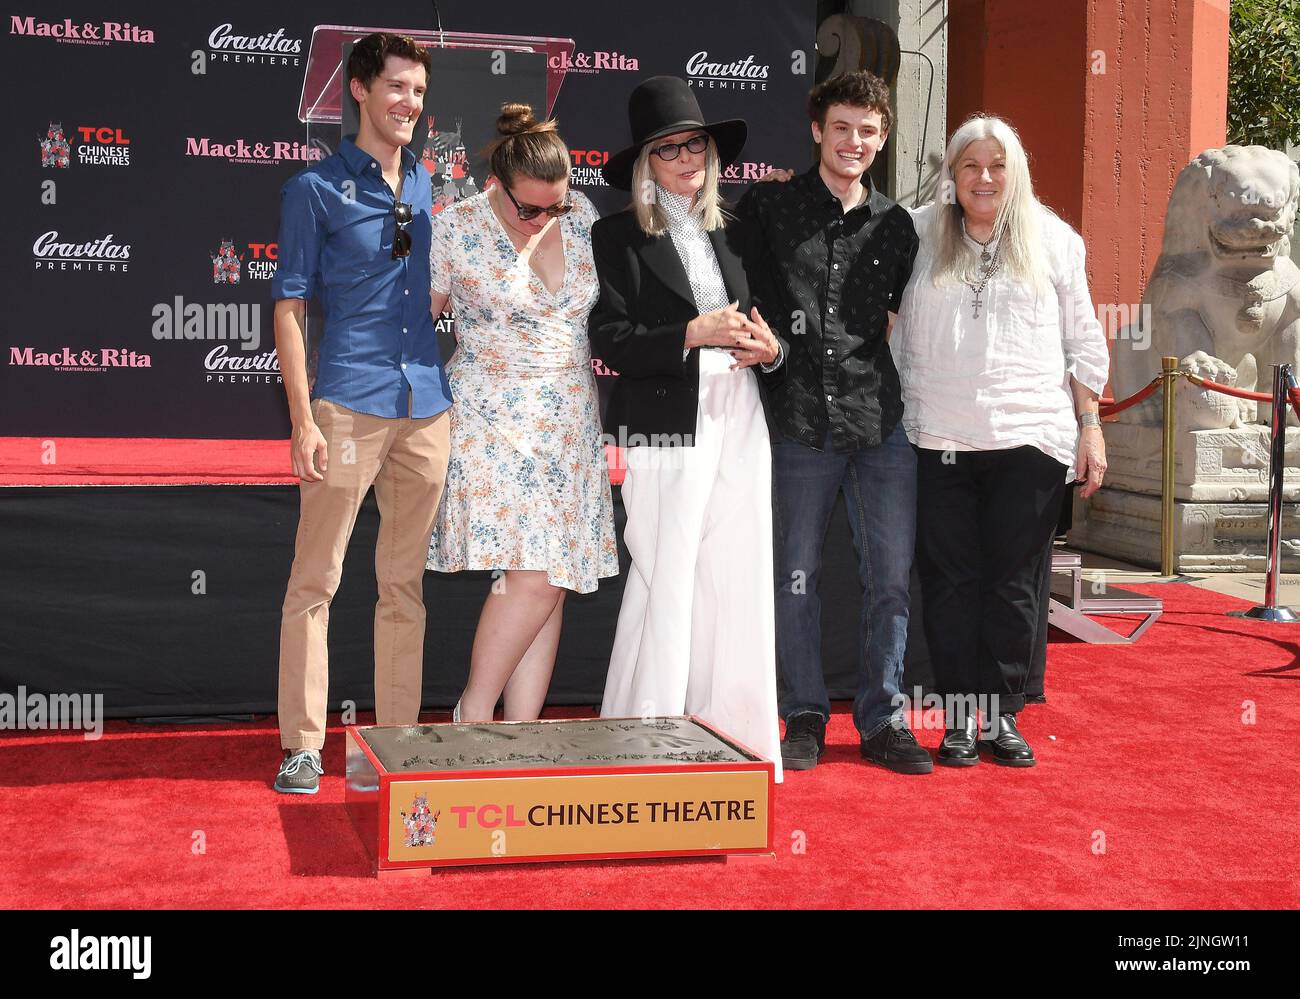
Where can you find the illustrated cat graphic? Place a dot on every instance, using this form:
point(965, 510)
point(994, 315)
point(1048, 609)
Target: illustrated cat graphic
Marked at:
point(55, 149)
point(225, 264)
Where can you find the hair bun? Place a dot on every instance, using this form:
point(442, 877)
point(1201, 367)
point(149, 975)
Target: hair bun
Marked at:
point(515, 118)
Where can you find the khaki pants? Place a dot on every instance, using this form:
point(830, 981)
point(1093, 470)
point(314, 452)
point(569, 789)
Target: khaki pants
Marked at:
point(406, 460)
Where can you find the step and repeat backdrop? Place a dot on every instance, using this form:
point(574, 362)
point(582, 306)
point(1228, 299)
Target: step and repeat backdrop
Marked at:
point(149, 143)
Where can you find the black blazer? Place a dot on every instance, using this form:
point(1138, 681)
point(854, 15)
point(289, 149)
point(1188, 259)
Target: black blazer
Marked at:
point(638, 326)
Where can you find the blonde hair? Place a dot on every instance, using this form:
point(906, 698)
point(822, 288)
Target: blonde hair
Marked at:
point(1018, 223)
point(708, 203)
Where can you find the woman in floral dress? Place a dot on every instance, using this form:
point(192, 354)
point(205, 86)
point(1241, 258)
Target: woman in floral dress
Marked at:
point(527, 491)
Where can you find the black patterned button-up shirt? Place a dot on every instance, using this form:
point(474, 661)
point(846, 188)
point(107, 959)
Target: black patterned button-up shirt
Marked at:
point(825, 279)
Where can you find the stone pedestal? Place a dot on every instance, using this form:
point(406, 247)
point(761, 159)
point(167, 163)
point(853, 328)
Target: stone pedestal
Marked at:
point(1220, 488)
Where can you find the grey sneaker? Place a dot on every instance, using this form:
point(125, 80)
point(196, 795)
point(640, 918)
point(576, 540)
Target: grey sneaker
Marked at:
point(300, 772)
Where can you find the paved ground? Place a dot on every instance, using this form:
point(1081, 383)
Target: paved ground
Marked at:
point(1245, 585)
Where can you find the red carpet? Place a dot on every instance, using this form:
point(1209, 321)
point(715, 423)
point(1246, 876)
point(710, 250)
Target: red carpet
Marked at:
point(104, 461)
point(1145, 745)
point(118, 461)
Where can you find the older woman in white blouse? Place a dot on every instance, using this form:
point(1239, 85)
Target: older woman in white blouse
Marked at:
point(1002, 361)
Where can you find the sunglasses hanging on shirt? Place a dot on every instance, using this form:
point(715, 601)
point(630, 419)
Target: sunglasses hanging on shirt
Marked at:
point(402, 239)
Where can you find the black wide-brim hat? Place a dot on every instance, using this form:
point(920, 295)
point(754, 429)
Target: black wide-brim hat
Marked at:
point(661, 106)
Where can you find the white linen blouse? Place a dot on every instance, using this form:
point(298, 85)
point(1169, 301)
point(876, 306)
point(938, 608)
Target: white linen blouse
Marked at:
point(1001, 380)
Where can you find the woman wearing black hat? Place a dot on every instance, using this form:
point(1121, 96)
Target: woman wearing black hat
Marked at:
point(674, 318)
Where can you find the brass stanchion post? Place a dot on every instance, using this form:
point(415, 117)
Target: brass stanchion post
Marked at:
point(1169, 380)
point(1270, 610)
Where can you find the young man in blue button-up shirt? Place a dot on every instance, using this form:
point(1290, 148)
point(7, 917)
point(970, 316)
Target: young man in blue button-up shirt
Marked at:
point(354, 233)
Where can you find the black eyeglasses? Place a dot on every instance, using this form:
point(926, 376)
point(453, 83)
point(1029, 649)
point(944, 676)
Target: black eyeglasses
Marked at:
point(671, 150)
point(402, 239)
point(527, 213)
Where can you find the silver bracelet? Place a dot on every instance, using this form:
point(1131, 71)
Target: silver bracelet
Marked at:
point(1089, 420)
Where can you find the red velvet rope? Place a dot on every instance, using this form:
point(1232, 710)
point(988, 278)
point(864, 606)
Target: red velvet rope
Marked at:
point(1205, 383)
point(1109, 407)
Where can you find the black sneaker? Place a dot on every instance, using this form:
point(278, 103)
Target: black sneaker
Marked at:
point(896, 749)
point(804, 742)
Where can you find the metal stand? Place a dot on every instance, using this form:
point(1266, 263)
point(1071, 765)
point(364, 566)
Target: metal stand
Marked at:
point(1283, 382)
point(1068, 608)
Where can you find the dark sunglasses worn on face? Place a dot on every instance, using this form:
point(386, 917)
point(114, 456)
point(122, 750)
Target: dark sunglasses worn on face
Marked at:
point(671, 150)
point(528, 212)
point(402, 239)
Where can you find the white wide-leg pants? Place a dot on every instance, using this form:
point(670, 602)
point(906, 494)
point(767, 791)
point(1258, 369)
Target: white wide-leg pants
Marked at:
point(696, 630)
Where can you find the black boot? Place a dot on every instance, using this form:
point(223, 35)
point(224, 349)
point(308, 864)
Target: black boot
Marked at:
point(958, 746)
point(804, 742)
point(1008, 746)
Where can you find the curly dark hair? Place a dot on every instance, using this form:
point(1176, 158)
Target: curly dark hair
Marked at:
point(369, 54)
point(860, 90)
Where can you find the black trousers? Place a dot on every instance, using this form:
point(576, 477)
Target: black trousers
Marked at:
point(984, 522)
point(1035, 686)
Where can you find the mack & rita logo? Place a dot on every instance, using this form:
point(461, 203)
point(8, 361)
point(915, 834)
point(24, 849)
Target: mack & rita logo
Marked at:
point(243, 151)
point(592, 62)
point(72, 32)
point(70, 359)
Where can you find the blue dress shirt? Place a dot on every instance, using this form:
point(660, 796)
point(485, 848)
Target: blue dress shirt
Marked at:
point(336, 244)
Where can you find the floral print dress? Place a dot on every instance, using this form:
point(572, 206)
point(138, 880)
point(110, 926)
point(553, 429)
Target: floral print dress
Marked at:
point(527, 486)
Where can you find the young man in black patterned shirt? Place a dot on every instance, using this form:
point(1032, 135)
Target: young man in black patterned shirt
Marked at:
point(833, 257)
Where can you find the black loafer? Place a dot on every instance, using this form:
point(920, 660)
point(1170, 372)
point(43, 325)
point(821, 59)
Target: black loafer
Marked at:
point(896, 749)
point(1009, 747)
point(958, 746)
point(804, 742)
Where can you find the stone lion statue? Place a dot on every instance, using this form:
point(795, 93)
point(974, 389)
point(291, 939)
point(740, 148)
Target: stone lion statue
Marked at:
point(1225, 295)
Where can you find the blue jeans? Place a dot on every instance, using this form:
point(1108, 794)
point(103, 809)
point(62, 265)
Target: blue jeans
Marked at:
point(879, 486)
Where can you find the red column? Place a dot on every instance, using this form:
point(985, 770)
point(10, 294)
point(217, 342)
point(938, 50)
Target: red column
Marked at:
point(1160, 98)
point(1027, 68)
point(1111, 101)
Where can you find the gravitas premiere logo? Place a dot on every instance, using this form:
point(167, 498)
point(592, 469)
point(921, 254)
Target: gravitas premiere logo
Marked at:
point(86, 33)
point(271, 49)
point(594, 62)
point(99, 255)
point(708, 75)
point(225, 368)
point(243, 151)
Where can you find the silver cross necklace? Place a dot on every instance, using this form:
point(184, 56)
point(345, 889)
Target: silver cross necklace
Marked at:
point(990, 261)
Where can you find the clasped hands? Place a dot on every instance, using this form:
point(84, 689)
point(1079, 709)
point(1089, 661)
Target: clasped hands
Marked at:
point(748, 338)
